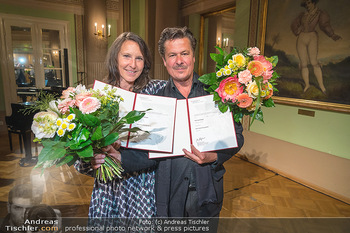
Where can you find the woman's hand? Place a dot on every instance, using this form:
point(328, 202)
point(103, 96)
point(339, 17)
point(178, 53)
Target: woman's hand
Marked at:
point(111, 150)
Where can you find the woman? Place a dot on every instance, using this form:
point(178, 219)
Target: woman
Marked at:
point(304, 27)
point(128, 62)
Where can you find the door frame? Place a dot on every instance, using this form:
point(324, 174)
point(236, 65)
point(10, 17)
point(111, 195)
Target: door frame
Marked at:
point(7, 64)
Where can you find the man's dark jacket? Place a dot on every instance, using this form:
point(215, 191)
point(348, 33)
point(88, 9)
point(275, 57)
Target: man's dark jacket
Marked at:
point(208, 178)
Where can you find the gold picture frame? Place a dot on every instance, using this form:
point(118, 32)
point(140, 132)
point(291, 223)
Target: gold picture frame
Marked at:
point(262, 27)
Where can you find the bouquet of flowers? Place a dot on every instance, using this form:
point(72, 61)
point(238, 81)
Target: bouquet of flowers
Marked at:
point(243, 82)
point(79, 124)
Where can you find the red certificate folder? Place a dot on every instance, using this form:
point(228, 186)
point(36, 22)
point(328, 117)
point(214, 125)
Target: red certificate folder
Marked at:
point(199, 122)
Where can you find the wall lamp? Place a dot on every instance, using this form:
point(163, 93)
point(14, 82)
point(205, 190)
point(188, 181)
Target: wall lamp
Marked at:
point(101, 33)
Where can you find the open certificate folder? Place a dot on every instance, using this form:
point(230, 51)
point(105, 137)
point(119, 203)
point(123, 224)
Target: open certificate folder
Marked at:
point(199, 122)
point(158, 121)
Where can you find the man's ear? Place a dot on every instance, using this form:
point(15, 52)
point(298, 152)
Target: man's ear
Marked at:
point(164, 62)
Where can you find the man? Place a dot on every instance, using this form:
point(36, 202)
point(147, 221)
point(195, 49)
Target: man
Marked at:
point(24, 205)
point(189, 186)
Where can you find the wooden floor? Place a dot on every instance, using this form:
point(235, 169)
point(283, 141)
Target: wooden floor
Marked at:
point(250, 190)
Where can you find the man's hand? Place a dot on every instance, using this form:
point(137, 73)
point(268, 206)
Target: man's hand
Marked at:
point(111, 150)
point(199, 157)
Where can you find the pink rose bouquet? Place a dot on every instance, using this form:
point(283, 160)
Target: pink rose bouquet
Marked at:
point(244, 81)
point(79, 124)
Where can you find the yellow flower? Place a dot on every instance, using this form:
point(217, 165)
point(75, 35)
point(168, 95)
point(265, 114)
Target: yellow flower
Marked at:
point(228, 72)
point(239, 59)
point(64, 125)
point(218, 74)
point(231, 66)
point(70, 117)
point(60, 132)
point(59, 122)
point(71, 126)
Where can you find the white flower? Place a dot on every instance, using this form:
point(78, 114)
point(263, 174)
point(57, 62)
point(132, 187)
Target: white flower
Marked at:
point(228, 72)
point(64, 125)
point(80, 89)
point(71, 126)
point(44, 124)
point(59, 122)
point(252, 89)
point(218, 74)
point(53, 106)
point(61, 132)
point(70, 117)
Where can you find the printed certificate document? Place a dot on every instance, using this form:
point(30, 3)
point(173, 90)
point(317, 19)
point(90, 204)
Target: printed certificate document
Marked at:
point(158, 121)
point(199, 122)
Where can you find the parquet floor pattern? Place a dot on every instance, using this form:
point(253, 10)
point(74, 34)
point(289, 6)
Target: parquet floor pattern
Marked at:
point(250, 190)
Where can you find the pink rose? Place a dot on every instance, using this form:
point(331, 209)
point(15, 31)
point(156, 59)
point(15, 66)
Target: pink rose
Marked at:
point(244, 77)
point(267, 65)
point(65, 104)
point(68, 92)
point(80, 97)
point(267, 75)
point(253, 51)
point(89, 105)
point(229, 89)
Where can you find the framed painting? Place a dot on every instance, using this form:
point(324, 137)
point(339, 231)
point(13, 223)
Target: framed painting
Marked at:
point(312, 41)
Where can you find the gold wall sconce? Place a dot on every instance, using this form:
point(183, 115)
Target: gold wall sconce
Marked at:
point(101, 33)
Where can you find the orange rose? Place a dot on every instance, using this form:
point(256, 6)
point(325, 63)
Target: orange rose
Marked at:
point(256, 68)
point(244, 101)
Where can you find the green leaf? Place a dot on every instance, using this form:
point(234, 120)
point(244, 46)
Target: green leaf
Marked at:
point(132, 130)
point(208, 79)
point(238, 117)
point(216, 97)
point(274, 60)
point(133, 116)
point(259, 116)
point(87, 152)
point(91, 120)
point(75, 158)
point(109, 139)
point(65, 160)
point(218, 58)
point(269, 103)
point(106, 128)
point(97, 135)
point(49, 142)
point(84, 135)
point(48, 154)
point(79, 146)
point(222, 107)
point(220, 50)
point(86, 119)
